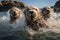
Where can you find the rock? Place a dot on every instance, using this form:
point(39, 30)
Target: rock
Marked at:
point(6, 5)
point(57, 6)
point(20, 4)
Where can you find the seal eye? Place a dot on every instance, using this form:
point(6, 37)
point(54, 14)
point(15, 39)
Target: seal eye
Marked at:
point(36, 9)
point(14, 12)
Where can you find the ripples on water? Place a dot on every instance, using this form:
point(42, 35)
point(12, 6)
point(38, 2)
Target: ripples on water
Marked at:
point(7, 32)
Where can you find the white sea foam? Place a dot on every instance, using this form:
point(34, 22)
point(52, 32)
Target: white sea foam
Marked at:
point(53, 21)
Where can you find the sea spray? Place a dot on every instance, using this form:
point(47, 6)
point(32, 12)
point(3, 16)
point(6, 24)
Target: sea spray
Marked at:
point(20, 32)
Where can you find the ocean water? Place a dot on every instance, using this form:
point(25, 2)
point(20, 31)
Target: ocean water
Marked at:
point(18, 32)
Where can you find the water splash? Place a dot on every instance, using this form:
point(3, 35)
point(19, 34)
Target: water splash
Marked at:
point(53, 32)
point(44, 33)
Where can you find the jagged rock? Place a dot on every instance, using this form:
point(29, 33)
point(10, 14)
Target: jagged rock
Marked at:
point(20, 4)
point(6, 5)
point(57, 6)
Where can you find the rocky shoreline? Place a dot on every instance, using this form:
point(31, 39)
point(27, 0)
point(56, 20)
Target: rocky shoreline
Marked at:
point(6, 5)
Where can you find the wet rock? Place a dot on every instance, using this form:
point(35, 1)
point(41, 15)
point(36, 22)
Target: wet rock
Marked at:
point(6, 5)
point(20, 4)
point(57, 6)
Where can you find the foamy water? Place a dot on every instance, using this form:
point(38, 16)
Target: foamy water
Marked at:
point(8, 29)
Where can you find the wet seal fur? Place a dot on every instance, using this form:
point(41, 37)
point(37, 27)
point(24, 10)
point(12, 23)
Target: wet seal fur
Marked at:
point(14, 14)
point(34, 18)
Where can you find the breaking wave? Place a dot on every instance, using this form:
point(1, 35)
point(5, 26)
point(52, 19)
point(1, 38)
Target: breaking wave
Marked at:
point(13, 32)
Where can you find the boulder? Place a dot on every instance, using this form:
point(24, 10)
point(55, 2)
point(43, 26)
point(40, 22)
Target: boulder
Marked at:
point(57, 6)
point(6, 5)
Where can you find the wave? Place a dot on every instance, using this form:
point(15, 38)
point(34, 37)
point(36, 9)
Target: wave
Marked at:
point(7, 29)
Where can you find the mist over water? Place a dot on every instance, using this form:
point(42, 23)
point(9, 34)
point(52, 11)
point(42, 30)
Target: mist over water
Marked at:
point(18, 31)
